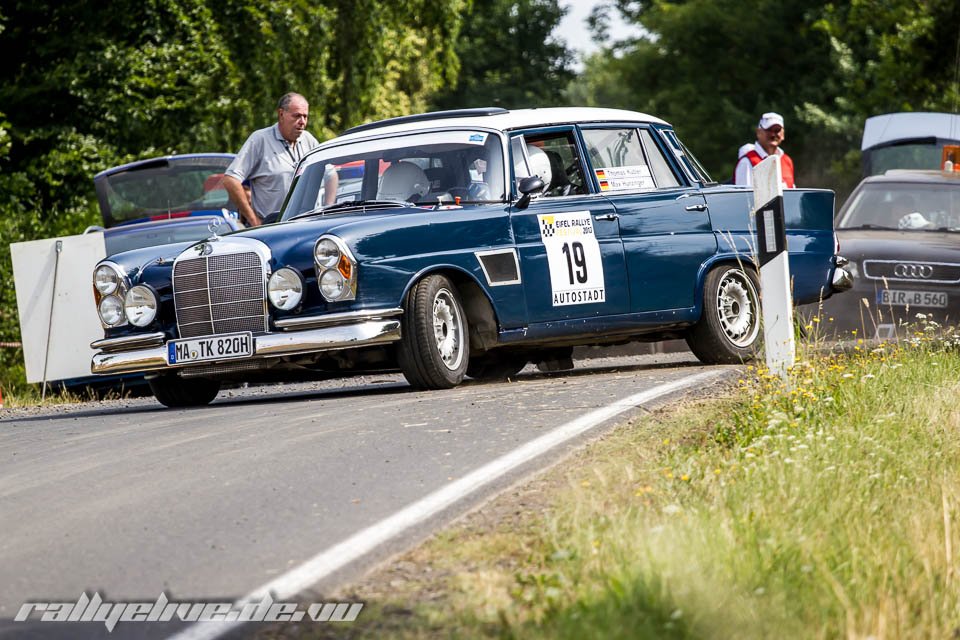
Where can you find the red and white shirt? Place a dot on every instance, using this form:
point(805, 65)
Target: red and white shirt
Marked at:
point(751, 156)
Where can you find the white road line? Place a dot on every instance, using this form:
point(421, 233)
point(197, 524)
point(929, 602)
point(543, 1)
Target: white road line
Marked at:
point(356, 546)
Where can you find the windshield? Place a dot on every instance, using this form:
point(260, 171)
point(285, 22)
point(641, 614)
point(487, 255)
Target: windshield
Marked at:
point(164, 187)
point(444, 167)
point(905, 206)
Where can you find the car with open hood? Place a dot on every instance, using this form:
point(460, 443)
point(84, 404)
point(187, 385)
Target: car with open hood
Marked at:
point(461, 243)
point(164, 199)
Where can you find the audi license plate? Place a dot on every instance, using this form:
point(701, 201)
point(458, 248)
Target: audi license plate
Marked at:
point(230, 345)
point(903, 298)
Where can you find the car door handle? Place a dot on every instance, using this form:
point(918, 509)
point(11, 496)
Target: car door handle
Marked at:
point(696, 207)
point(608, 216)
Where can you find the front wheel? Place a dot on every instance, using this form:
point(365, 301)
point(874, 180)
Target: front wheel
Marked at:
point(173, 391)
point(728, 331)
point(434, 349)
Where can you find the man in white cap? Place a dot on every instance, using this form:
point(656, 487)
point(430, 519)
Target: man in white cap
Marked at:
point(769, 138)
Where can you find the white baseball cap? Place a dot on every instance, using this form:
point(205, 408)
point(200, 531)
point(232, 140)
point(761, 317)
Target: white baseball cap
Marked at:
point(770, 119)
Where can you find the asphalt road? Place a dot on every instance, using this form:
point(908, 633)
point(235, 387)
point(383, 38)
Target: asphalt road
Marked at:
point(129, 499)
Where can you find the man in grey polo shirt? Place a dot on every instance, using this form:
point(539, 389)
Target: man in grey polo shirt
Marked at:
point(267, 160)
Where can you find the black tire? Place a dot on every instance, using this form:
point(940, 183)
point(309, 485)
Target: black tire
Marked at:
point(728, 331)
point(173, 391)
point(434, 350)
point(490, 367)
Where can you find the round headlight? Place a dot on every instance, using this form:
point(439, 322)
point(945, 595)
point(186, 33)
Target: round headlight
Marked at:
point(285, 289)
point(106, 279)
point(332, 284)
point(140, 305)
point(111, 311)
point(326, 253)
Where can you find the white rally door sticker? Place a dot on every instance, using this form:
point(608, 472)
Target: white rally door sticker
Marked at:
point(573, 253)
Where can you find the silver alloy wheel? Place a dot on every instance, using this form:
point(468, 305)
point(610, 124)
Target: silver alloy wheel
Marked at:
point(738, 308)
point(448, 329)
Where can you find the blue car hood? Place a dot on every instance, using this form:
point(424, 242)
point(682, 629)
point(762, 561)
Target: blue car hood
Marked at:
point(284, 239)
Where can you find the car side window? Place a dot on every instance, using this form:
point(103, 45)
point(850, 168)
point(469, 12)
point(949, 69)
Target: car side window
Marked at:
point(662, 173)
point(520, 168)
point(691, 166)
point(552, 156)
point(618, 161)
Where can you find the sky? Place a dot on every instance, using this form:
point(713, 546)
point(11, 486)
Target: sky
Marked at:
point(573, 28)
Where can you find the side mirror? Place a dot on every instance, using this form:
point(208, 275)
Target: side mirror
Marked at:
point(270, 218)
point(528, 187)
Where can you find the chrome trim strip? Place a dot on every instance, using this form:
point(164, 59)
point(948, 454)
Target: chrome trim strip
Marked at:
point(124, 343)
point(309, 322)
point(264, 346)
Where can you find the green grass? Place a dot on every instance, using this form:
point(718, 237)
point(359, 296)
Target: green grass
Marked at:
point(824, 507)
point(17, 392)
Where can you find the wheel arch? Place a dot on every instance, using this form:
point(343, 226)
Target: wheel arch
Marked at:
point(482, 319)
point(732, 259)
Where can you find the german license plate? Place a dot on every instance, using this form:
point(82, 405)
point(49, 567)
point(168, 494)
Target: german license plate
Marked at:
point(903, 298)
point(230, 345)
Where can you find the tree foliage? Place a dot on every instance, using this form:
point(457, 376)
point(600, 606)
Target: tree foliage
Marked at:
point(711, 67)
point(509, 57)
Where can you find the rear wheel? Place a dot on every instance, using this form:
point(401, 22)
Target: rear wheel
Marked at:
point(173, 391)
point(434, 350)
point(729, 328)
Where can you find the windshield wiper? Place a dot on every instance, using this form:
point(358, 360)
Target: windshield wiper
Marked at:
point(350, 204)
point(347, 204)
point(869, 226)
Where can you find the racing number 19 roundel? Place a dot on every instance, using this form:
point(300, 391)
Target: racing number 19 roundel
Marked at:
point(573, 254)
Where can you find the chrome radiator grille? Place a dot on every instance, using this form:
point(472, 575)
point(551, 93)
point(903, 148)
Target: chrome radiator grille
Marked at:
point(220, 294)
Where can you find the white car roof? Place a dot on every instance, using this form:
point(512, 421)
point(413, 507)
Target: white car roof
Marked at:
point(507, 120)
point(902, 126)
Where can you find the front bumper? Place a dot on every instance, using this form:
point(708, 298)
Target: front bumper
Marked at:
point(148, 353)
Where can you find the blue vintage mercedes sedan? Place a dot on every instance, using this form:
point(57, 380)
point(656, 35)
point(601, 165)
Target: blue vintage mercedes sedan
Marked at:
point(460, 243)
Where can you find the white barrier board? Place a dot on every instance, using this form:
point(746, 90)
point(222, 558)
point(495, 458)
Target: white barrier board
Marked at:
point(74, 323)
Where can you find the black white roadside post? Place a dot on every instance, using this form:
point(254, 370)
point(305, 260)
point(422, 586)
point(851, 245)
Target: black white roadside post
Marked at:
point(776, 301)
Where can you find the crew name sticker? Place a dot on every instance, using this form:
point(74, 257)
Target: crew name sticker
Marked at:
point(625, 178)
point(573, 254)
